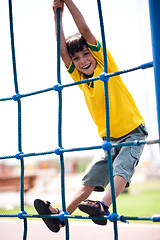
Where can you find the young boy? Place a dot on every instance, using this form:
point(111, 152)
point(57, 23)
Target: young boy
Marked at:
point(83, 58)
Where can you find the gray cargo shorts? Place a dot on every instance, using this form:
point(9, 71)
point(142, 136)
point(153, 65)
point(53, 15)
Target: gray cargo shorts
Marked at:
point(125, 159)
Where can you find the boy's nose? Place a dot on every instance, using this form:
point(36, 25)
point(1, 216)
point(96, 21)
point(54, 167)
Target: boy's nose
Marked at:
point(82, 60)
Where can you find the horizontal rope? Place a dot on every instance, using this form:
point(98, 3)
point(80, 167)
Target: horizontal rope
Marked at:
point(60, 86)
point(153, 218)
point(62, 150)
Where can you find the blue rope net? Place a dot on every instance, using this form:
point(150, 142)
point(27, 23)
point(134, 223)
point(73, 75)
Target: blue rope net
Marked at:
point(107, 146)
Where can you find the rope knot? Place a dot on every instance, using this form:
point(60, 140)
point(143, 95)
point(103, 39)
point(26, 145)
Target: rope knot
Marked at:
point(104, 77)
point(107, 146)
point(61, 215)
point(18, 155)
point(57, 151)
point(16, 97)
point(20, 214)
point(57, 87)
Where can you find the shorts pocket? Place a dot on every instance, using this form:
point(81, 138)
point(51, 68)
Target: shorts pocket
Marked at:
point(136, 152)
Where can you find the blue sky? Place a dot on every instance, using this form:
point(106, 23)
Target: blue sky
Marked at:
point(127, 30)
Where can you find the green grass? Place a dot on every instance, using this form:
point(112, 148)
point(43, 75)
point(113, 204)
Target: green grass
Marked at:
point(146, 203)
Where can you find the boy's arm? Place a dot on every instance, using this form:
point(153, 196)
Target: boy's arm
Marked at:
point(64, 52)
point(80, 22)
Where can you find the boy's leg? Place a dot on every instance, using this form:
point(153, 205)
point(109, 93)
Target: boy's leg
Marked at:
point(119, 184)
point(82, 194)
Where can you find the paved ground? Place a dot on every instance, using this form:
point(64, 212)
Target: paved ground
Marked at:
point(13, 230)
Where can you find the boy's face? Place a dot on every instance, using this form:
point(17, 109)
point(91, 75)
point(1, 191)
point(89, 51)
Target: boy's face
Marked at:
point(84, 61)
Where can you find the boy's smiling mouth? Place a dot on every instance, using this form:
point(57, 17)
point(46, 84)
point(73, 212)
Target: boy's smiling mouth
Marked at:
point(86, 66)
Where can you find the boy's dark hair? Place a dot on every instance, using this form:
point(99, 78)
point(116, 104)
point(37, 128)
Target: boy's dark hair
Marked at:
point(75, 43)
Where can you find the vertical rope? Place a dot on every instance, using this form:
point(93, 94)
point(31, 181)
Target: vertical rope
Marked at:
point(60, 119)
point(107, 117)
point(154, 9)
point(19, 116)
point(12, 47)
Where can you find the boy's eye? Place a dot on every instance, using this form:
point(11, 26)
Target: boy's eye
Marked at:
point(75, 58)
point(86, 53)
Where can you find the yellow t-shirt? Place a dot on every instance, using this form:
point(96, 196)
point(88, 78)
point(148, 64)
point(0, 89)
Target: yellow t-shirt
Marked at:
point(124, 115)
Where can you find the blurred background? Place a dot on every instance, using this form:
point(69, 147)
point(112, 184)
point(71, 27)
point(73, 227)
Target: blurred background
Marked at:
point(127, 30)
